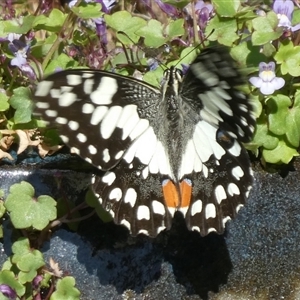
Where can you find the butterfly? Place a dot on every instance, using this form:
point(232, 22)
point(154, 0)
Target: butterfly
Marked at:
point(177, 148)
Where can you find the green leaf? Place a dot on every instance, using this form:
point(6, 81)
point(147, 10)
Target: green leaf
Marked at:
point(2, 208)
point(93, 201)
point(153, 33)
point(9, 278)
point(278, 113)
point(293, 122)
point(65, 289)
point(262, 138)
point(288, 56)
point(27, 211)
point(22, 103)
point(175, 29)
point(266, 29)
point(87, 10)
point(226, 8)
point(296, 17)
point(177, 3)
point(4, 105)
point(26, 259)
point(52, 23)
point(222, 30)
point(154, 77)
point(124, 22)
point(246, 54)
point(63, 62)
point(41, 48)
point(283, 153)
point(21, 25)
point(64, 207)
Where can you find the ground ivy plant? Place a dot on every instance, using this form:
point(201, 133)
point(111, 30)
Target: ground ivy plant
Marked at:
point(137, 39)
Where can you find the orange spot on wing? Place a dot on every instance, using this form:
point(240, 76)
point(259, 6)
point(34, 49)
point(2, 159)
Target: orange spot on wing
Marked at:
point(186, 193)
point(170, 194)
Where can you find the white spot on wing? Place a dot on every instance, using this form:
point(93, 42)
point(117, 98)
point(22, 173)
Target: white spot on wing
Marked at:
point(74, 79)
point(142, 148)
point(51, 113)
point(130, 197)
point(92, 149)
point(42, 105)
point(98, 114)
point(106, 156)
point(139, 128)
point(210, 211)
point(158, 208)
point(119, 154)
point(64, 138)
point(237, 172)
point(126, 224)
point(43, 89)
point(233, 189)
point(128, 112)
point(143, 212)
point(105, 91)
point(116, 194)
point(73, 125)
point(236, 149)
point(188, 159)
point(196, 207)
point(81, 137)
point(225, 220)
point(67, 99)
point(109, 177)
point(74, 150)
point(88, 86)
point(239, 207)
point(129, 124)
point(88, 160)
point(87, 108)
point(160, 161)
point(211, 229)
point(195, 228)
point(220, 193)
point(61, 120)
point(110, 121)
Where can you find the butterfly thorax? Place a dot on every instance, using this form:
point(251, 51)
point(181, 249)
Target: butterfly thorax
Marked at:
point(175, 130)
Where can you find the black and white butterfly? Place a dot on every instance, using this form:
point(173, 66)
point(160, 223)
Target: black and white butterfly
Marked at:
point(174, 149)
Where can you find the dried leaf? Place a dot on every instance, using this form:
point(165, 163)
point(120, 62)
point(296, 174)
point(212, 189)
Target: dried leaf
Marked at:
point(25, 139)
point(55, 268)
point(45, 149)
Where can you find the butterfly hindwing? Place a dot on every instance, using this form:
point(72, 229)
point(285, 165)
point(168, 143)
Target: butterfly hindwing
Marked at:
point(134, 199)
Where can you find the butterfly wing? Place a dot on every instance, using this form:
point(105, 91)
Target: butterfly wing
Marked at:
point(214, 159)
point(110, 121)
point(99, 113)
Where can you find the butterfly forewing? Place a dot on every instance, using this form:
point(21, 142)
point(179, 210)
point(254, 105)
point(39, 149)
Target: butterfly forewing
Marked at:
point(99, 113)
point(175, 149)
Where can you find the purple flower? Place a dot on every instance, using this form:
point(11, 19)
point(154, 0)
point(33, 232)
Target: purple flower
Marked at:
point(284, 10)
point(107, 5)
point(8, 292)
point(20, 49)
point(267, 82)
point(36, 281)
point(284, 7)
point(99, 23)
point(203, 11)
point(167, 8)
